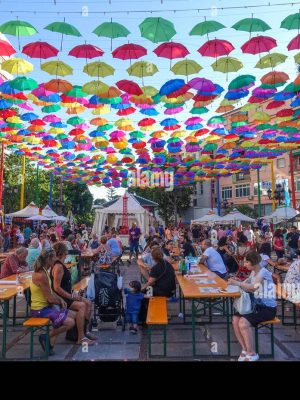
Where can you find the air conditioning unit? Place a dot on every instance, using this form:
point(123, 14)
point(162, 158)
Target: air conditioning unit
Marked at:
point(250, 197)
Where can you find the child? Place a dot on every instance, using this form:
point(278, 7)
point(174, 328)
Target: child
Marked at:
point(134, 299)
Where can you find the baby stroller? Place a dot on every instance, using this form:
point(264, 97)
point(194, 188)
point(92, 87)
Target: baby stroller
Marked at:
point(108, 298)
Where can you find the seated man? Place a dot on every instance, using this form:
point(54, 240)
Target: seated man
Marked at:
point(15, 262)
point(114, 245)
point(212, 259)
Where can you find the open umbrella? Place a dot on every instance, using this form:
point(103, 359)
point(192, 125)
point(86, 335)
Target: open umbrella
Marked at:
point(129, 87)
point(291, 22)
point(95, 87)
point(215, 48)
point(157, 29)
point(206, 27)
point(18, 28)
point(186, 68)
point(6, 49)
point(23, 83)
point(40, 50)
point(98, 68)
point(171, 50)
point(64, 29)
point(227, 64)
point(142, 69)
point(271, 60)
point(251, 25)
point(111, 30)
point(259, 44)
point(294, 43)
point(129, 51)
point(58, 85)
point(57, 68)
point(86, 51)
point(17, 66)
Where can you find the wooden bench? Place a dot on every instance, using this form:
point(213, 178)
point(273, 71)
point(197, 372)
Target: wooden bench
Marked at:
point(157, 315)
point(283, 296)
point(81, 285)
point(270, 326)
point(38, 324)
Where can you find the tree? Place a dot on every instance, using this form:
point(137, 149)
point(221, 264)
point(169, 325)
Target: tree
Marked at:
point(168, 202)
point(99, 202)
point(111, 194)
point(245, 209)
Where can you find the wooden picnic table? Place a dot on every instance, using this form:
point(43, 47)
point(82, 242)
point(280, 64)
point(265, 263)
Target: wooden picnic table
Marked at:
point(190, 289)
point(8, 292)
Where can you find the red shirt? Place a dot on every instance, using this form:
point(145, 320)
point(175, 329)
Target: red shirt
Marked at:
point(11, 265)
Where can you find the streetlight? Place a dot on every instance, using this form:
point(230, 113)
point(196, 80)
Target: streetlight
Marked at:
point(278, 194)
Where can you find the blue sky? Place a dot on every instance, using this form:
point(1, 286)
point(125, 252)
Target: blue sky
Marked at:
point(82, 14)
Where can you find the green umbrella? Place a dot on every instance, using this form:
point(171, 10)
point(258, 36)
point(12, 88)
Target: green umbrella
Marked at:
point(23, 83)
point(227, 64)
point(64, 29)
point(142, 69)
point(76, 91)
point(206, 27)
point(98, 68)
point(241, 81)
point(111, 30)
point(157, 29)
point(291, 22)
point(186, 67)
point(291, 87)
point(50, 109)
point(199, 110)
point(75, 121)
point(251, 25)
point(271, 60)
point(18, 28)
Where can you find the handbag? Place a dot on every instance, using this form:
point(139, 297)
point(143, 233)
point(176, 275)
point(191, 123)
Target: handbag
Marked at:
point(243, 304)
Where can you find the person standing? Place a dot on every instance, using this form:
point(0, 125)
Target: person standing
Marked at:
point(134, 238)
point(6, 237)
point(293, 241)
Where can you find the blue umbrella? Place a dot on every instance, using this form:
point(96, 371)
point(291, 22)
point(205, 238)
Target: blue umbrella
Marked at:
point(149, 111)
point(169, 122)
point(171, 86)
point(296, 102)
point(7, 89)
point(29, 116)
point(53, 98)
point(236, 95)
point(4, 104)
point(58, 125)
point(283, 96)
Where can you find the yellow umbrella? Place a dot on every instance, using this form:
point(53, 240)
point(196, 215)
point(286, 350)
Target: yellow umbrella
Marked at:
point(57, 68)
point(95, 87)
point(17, 66)
point(98, 68)
point(149, 90)
point(101, 110)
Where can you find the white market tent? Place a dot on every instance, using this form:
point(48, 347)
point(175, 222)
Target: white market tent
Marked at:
point(235, 216)
point(32, 211)
point(112, 215)
point(282, 214)
point(208, 218)
point(38, 218)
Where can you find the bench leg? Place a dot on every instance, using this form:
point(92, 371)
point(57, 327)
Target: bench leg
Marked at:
point(272, 341)
point(149, 341)
point(32, 330)
point(47, 343)
point(14, 310)
point(256, 340)
point(165, 340)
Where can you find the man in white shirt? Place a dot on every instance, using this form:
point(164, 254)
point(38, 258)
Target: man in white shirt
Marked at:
point(214, 237)
point(212, 259)
point(250, 235)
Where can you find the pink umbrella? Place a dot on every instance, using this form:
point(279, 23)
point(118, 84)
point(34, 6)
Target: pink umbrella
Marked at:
point(40, 50)
point(109, 150)
point(129, 51)
point(259, 44)
point(294, 43)
point(129, 87)
point(41, 91)
point(193, 121)
point(172, 111)
point(86, 51)
point(51, 118)
point(202, 84)
point(26, 106)
point(171, 50)
point(215, 48)
point(117, 134)
point(84, 125)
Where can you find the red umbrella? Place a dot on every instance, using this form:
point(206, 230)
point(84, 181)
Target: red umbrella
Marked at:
point(275, 104)
point(146, 122)
point(286, 112)
point(129, 51)
point(129, 87)
point(126, 111)
point(259, 44)
point(86, 51)
point(294, 43)
point(171, 50)
point(40, 50)
point(215, 48)
point(6, 49)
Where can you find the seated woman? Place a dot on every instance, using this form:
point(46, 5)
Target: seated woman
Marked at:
point(265, 254)
point(34, 250)
point(104, 252)
point(188, 249)
point(146, 262)
point(167, 250)
point(227, 255)
point(47, 304)
point(264, 304)
point(291, 282)
point(162, 275)
point(61, 284)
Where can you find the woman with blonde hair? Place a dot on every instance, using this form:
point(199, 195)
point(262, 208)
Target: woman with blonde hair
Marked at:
point(47, 304)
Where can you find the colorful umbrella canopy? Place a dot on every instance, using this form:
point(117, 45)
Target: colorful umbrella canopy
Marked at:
point(157, 29)
point(98, 68)
point(171, 50)
point(129, 87)
point(294, 43)
point(259, 44)
point(40, 50)
point(18, 28)
point(111, 30)
point(186, 67)
point(58, 85)
point(227, 64)
point(251, 25)
point(206, 27)
point(6, 49)
point(291, 22)
point(86, 51)
point(215, 48)
point(142, 69)
point(57, 68)
point(23, 83)
point(271, 60)
point(64, 29)
point(129, 51)
point(17, 66)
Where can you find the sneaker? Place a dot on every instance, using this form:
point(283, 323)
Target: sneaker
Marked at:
point(254, 357)
point(91, 336)
point(242, 356)
point(42, 340)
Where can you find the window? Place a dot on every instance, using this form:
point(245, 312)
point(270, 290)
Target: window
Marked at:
point(242, 190)
point(212, 183)
point(297, 183)
point(201, 187)
point(280, 163)
point(226, 192)
point(263, 192)
point(195, 202)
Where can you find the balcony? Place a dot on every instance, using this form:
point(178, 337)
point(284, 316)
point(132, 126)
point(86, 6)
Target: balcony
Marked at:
point(241, 177)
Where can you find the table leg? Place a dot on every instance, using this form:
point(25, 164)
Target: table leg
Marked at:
point(14, 310)
point(228, 326)
point(193, 328)
point(4, 318)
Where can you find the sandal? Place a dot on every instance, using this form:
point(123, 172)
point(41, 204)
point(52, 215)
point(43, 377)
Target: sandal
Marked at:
point(86, 340)
point(242, 356)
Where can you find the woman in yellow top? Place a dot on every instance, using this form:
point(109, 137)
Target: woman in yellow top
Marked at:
point(47, 304)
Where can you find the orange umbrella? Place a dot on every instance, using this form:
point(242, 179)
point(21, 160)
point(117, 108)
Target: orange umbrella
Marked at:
point(274, 77)
point(58, 85)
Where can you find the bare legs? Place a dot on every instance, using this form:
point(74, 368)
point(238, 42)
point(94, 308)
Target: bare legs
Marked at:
point(244, 334)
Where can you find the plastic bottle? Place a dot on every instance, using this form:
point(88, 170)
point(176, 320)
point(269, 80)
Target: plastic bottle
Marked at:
point(183, 268)
point(18, 277)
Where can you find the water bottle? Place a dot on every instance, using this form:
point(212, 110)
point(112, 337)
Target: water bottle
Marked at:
point(18, 277)
point(183, 268)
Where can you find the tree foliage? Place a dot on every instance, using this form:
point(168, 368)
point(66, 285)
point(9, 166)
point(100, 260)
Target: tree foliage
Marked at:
point(111, 194)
